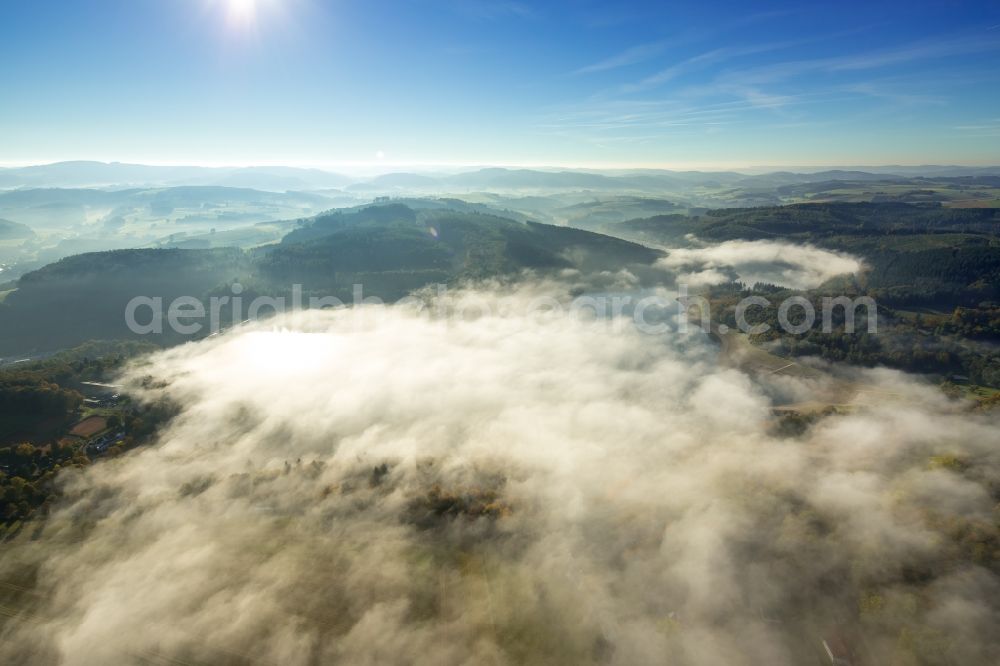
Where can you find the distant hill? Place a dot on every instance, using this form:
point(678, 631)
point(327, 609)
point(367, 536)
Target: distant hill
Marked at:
point(389, 249)
point(815, 222)
point(186, 195)
point(400, 180)
point(328, 223)
point(598, 213)
point(527, 179)
point(280, 179)
point(14, 231)
point(648, 180)
point(116, 174)
point(408, 249)
point(46, 208)
point(780, 178)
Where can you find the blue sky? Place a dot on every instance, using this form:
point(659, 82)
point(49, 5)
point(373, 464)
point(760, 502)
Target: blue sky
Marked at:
point(602, 84)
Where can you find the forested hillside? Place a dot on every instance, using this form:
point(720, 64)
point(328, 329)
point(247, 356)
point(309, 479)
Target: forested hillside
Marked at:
point(917, 255)
point(933, 272)
point(389, 249)
point(84, 297)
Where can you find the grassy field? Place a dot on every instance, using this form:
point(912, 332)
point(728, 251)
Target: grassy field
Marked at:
point(243, 237)
point(980, 392)
point(929, 317)
point(973, 203)
point(90, 426)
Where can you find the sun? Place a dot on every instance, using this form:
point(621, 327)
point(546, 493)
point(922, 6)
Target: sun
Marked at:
point(244, 18)
point(242, 11)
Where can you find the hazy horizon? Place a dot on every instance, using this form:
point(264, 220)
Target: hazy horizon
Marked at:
point(364, 169)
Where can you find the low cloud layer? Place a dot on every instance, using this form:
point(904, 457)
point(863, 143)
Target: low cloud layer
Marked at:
point(773, 262)
point(508, 490)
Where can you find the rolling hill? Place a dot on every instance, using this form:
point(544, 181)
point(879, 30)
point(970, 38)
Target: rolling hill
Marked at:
point(389, 249)
point(14, 231)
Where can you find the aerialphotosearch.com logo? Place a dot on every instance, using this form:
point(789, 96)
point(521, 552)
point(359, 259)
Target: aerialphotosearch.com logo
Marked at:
point(657, 313)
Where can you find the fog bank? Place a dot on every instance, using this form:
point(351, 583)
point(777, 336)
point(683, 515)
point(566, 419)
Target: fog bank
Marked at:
point(773, 262)
point(510, 489)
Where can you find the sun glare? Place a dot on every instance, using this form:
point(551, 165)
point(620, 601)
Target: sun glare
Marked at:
point(242, 11)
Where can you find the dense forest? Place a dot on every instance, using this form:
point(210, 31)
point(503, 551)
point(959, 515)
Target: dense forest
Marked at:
point(39, 403)
point(959, 344)
point(835, 225)
point(934, 273)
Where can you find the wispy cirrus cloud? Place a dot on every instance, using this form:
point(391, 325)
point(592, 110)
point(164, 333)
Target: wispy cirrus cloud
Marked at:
point(630, 120)
point(913, 52)
point(630, 56)
point(703, 60)
point(494, 9)
point(886, 91)
point(643, 52)
point(986, 128)
point(775, 83)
